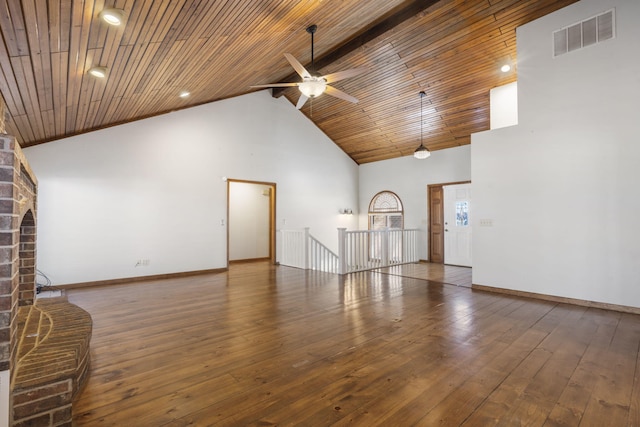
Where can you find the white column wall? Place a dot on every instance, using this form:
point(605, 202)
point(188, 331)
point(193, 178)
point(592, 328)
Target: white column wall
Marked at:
point(561, 188)
point(153, 189)
point(409, 177)
point(503, 101)
point(4, 397)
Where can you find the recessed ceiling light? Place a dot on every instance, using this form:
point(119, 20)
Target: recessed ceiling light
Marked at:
point(184, 94)
point(112, 16)
point(505, 68)
point(99, 72)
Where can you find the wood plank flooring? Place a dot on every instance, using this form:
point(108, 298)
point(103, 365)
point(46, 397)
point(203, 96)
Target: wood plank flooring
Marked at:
point(262, 346)
point(449, 274)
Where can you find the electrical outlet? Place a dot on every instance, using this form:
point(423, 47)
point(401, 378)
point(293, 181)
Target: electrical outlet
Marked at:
point(143, 262)
point(486, 223)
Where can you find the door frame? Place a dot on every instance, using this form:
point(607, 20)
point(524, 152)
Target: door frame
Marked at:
point(430, 235)
point(272, 215)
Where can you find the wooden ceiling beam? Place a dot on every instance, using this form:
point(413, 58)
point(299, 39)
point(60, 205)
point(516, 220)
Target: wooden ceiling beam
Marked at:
point(385, 24)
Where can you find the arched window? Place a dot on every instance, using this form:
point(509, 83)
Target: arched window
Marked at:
point(385, 211)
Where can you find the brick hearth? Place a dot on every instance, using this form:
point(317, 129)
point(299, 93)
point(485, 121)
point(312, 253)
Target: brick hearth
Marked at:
point(53, 362)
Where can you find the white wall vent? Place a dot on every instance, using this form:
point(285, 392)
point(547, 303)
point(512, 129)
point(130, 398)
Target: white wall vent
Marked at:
point(591, 31)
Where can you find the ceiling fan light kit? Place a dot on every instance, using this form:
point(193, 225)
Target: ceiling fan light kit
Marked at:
point(313, 86)
point(421, 152)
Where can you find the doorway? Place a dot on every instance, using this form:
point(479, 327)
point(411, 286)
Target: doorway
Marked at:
point(449, 234)
point(250, 221)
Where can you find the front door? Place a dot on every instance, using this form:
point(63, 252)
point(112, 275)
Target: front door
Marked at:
point(457, 224)
point(436, 224)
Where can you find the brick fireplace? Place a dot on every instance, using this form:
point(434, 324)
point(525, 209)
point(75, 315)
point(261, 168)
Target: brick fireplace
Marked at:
point(17, 244)
point(44, 344)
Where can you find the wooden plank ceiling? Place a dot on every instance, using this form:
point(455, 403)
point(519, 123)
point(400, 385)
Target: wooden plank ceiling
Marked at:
point(452, 50)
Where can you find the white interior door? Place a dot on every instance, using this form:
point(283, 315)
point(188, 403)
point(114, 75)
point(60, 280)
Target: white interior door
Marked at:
point(457, 224)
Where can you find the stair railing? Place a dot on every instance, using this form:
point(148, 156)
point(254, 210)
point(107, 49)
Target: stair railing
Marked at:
point(358, 250)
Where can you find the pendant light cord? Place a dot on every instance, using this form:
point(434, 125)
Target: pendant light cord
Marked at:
point(422, 95)
point(421, 152)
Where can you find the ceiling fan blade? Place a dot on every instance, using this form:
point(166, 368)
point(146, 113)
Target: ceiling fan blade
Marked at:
point(297, 66)
point(340, 94)
point(334, 77)
point(276, 85)
point(303, 98)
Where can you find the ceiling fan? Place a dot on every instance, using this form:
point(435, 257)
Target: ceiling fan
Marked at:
point(312, 84)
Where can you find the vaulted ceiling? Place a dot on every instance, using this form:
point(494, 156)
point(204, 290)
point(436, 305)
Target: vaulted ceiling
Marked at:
point(451, 49)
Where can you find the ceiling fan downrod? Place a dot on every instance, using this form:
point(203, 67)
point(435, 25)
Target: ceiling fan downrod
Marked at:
point(311, 29)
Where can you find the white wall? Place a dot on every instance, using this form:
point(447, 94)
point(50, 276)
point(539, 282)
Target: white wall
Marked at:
point(4, 398)
point(562, 186)
point(408, 177)
point(153, 189)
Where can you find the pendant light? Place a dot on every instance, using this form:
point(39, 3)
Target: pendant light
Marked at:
point(421, 152)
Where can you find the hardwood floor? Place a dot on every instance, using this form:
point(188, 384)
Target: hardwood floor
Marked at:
point(449, 274)
point(264, 345)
